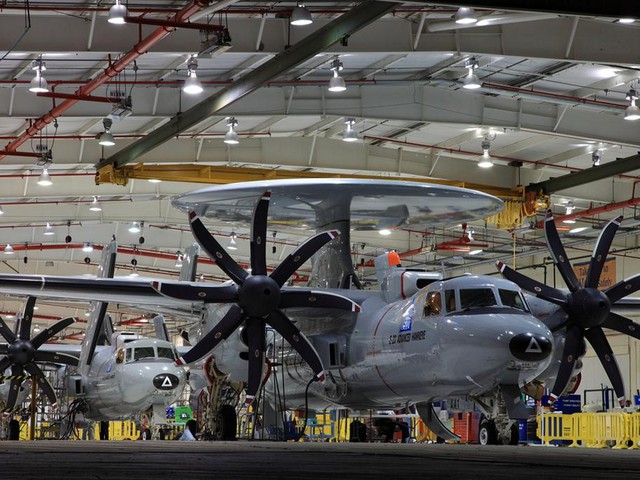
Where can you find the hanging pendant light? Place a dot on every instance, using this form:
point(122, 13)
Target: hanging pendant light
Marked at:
point(300, 15)
point(117, 13)
point(231, 137)
point(192, 85)
point(45, 180)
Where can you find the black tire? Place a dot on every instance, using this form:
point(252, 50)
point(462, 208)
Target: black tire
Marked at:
point(227, 422)
point(515, 434)
point(14, 430)
point(486, 433)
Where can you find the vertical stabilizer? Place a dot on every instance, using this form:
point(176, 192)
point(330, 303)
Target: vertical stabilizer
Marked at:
point(97, 311)
point(190, 263)
point(161, 328)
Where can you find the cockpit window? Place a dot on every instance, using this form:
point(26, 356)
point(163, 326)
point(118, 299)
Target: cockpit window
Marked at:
point(477, 297)
point(166, 352)
point(450, 300)
point(129, 354)
point(143, 352)
point(511, 298)
point(433, 304)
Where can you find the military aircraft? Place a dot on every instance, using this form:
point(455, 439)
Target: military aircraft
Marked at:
point(416, 341)
point(125, 375)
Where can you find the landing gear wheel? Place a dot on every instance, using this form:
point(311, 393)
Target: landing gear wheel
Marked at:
point(226, 423)
point(486, 433)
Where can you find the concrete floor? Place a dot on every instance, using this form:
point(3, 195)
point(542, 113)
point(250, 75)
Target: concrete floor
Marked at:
point(266, 460)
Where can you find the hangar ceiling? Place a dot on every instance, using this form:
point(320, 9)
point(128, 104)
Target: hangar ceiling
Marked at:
point(553, 95)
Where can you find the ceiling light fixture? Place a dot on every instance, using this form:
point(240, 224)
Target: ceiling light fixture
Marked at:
point(632, 112)
point(192, 85)
point(465, 16)
point(231, 137)
point(134, 227)
point(154, 180)
point(1, 210)
point(117, 13)
point(336, 84)
point(596, 157)
point(38, 84)
point(485, 160)
point(569, 208)
point(45, 180)
point(48, 230)
point(300, 15)
point(232, 242)
point(8, 250)
point(471, 81)
point(134, 272)
point(476, 252)
point(105, 138)
point(384, 232)
point(470, 232)
point(95, 206)
point(350, 134)
point(178, 263)
point(626, 20)
point(87, 247)
point(578, 229)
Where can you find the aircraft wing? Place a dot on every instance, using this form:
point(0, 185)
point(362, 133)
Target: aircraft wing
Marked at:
point(135, 291)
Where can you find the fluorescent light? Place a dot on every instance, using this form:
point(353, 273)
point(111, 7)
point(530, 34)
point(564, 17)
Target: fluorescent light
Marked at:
point(154, 180)
point(626, 21)
point(578, 229)
point(384, 232)
point(475, 252)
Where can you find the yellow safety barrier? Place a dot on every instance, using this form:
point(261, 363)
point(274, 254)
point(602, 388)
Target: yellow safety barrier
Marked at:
point(618, 430)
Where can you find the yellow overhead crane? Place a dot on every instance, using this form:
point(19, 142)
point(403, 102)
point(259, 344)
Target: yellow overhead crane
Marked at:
point(517, 205)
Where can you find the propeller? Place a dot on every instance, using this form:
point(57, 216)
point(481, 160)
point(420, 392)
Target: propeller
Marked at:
point(21, 352)
point(256, 298)
point(585, 310)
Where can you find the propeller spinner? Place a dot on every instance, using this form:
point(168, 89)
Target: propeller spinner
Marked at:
point(21, 352)
point(257, 298)
point(585, 309)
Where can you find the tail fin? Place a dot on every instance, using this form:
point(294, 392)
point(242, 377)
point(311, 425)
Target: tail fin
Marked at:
point(95, 325)
point(161, 328)
point(190, 263)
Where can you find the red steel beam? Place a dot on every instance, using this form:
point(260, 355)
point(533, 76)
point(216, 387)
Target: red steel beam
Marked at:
point(111, 71)
point(84, 98)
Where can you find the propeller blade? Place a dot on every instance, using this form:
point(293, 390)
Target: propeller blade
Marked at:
point(220, 332)
point(4, 349)
point(14, 388)
point(600, 344)
point(46, 334)
point(300, 255)
point(27, 316)
point(572, 343)
point(622, 324)
point(258, 244)
point(622, 288)
point(6, 332)
point(558, 253)
point(38, 375)
point(556, 320)
point(600, 252)
point(197, 292)
point(538, 289)
point(56, 357)
point(285, 327)
point(5, 363)
point(255, 335)
point(316, 298)
point(215, 251)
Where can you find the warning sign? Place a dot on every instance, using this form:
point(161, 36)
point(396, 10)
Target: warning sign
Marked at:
point(607, 277)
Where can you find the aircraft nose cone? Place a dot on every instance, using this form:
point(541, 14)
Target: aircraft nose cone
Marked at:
point(530, 346)
point(166, 381)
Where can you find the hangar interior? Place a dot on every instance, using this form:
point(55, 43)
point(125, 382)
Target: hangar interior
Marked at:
point(553, 109)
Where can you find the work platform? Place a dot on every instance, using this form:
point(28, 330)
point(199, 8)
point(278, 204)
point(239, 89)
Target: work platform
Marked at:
point(71, 460)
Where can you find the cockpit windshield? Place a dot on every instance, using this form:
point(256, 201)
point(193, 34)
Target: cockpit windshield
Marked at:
point(135, 353)
point(477, 297)
point(513, 299)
